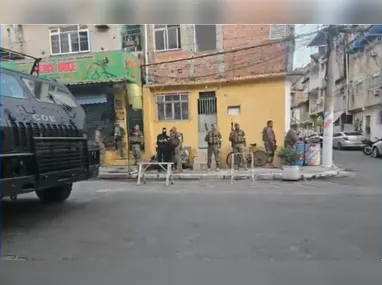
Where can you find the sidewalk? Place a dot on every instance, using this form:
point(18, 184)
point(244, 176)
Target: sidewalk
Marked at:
point(307, 172)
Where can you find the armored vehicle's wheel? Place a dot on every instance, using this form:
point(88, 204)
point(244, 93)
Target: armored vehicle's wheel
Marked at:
point(55, 195)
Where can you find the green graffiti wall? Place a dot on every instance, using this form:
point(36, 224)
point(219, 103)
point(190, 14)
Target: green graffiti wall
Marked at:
point(98, 66)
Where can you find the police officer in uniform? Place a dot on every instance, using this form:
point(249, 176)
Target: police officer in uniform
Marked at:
point(118, 139)
point(164, 146)
point(100, 140)
point(237, 138)
point(214, 139)
point(176, 143)
point(136, 140)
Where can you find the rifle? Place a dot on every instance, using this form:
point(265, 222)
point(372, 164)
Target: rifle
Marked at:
point(232, 129)
point(206, 126)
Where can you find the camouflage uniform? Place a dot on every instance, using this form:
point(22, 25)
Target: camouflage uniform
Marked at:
point(100, 143)
point(214, 139)
point(269, 139)
point(237, 138)
point(136, 140)
point(176, 142)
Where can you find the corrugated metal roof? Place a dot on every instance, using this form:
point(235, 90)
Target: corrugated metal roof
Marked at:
point(88, 101)
point(91, 99)
point(88, 82)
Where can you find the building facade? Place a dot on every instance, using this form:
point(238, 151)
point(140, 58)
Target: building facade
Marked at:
point(364, 100)
point(105, 80)
point(175, 59)
point(240, 50)
point(194, 106)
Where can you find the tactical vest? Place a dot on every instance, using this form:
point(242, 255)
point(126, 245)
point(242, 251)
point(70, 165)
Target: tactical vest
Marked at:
point(136, 137)
point(238, 136)
point(175, 139)
point(213, 137)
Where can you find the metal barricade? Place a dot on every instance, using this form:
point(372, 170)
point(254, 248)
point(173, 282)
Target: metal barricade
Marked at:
point(166, 166)
point(235, 173)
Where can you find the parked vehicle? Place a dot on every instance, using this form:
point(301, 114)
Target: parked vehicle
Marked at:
point(315, 138)
point(347, 140)
point(368, 145)
point(376, 149)
point(43, 145)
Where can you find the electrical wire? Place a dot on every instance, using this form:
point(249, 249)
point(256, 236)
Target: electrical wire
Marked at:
point(264, 44)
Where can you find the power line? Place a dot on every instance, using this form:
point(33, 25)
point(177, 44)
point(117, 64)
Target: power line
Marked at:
point(247, 63)
point(289, 38)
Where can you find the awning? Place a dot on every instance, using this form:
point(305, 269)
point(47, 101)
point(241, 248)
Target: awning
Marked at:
point(337, 115)
point(374, 32)
point(92, 99)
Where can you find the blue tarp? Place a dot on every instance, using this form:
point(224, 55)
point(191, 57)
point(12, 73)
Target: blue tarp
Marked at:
point(367, 37)
point(356, 46)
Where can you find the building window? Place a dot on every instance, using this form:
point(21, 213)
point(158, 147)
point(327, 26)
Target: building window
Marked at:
point(205, 38)
point(131, 38)
point(358, 88)
point(233, 110)
point(167, 37)
point(69, 39)
point(375, 82)
point(277, 31)
point(172, 107)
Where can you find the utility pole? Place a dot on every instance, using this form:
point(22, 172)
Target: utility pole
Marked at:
point(327, 155)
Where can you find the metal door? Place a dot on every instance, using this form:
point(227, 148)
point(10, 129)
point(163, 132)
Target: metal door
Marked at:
point(207, 110)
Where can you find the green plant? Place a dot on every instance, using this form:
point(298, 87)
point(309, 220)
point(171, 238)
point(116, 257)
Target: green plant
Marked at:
point(288, 156)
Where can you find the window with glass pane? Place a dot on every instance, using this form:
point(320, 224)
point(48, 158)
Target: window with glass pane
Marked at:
point(172, 107)
point(55, 42)
point(61, 95)
point(74, 42)
point(64, 40)
point(84, 41)
point(173, 38)
point(160, 40)
point(39, 90)
point(167, 37)
point(69, 39)
point(10, 87)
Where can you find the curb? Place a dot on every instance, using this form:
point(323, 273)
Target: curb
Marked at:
point(261, 176)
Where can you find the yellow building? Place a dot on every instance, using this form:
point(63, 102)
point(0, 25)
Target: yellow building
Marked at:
point(249, 101)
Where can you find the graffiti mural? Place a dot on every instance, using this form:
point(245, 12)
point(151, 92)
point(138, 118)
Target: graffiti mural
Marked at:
point(98, 66)
point(99, 69)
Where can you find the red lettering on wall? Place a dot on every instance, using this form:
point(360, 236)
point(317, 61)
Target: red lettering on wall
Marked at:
point(67, 66)
point(46, 68)
point(131, 64)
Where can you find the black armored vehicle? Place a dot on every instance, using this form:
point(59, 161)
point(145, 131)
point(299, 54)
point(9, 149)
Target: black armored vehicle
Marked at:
point(43, 146)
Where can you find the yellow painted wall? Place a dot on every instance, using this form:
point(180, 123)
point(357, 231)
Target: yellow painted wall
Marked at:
point(120, 97)
point(260, 101)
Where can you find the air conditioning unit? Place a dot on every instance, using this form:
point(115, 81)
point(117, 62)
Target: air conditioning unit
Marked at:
point(376, 92)
point(318, 101)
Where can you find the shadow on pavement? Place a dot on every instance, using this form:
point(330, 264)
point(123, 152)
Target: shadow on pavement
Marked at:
point(28, 212)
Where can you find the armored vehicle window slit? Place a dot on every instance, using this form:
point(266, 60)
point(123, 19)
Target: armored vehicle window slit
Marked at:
point(10, 86)
point(50, 93)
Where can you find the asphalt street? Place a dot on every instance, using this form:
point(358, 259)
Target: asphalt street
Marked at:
point(201, 232)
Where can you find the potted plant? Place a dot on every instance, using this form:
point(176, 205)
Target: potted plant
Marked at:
point(288, 158)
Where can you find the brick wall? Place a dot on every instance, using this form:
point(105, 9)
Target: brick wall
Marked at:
point(268, 59)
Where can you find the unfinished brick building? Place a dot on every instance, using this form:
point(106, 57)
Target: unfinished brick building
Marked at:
point(238, 50)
